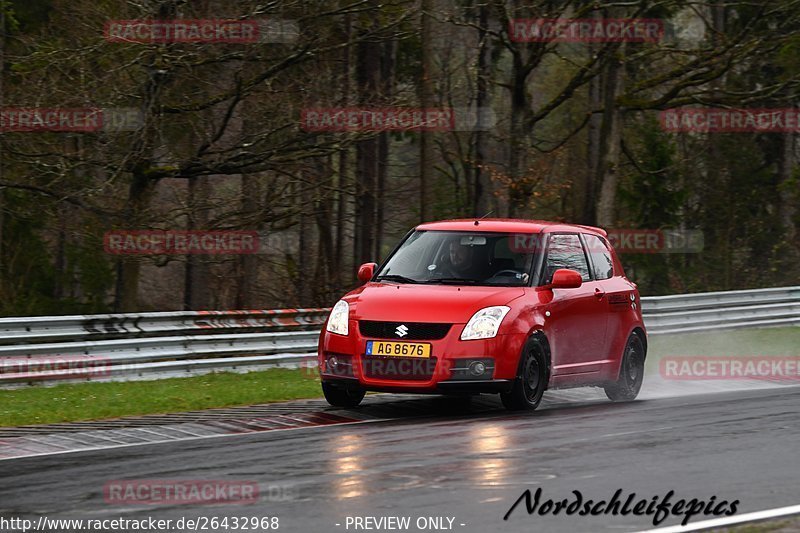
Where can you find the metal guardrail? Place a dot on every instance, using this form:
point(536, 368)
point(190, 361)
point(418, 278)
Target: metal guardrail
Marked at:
point(87, 327)
point(165, 344)
point(180, 343)
point(705, 311)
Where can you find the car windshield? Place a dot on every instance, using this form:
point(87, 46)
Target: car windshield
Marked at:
point(461, 258)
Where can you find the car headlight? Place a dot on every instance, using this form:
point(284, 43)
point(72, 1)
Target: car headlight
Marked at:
point(485, 323)
point(338, 321)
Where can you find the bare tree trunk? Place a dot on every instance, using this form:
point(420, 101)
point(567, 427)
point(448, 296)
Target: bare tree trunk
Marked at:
point(303, 281)
point(367, 170)
point(788, 196)
point(343, 167)
point(426, 100)
point(587, 212)
point(480, 205)
point(718, 182)
point(380, 190)
point(341, 216)
point(607, 175)
point(2, 104)
point(366, 156)
point(519, 109)
point(197, 275)
point(126, 298)
point(247, 263)
point(387, 91)
point(323, 207)
point(60, 263)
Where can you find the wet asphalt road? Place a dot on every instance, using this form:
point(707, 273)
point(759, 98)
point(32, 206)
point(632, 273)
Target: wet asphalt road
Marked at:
point(470, 466)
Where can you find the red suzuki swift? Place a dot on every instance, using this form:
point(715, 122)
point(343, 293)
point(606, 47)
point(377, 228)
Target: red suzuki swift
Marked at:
point(488, 306)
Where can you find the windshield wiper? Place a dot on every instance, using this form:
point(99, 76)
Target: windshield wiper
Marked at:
point(396, 277)
point(452, 280)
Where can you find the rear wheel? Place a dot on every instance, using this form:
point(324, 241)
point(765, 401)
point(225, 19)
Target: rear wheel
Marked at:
point(631, 372)
point(342, 396)
point(531, 378)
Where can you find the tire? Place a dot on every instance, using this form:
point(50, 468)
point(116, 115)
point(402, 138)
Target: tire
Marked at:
point(341, 396)
point(531, 381)
point(631, 372)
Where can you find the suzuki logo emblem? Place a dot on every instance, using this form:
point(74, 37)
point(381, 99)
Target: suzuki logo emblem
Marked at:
point(401, 330)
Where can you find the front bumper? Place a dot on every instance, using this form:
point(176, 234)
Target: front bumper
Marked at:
point(489, 386)
point(446, 371)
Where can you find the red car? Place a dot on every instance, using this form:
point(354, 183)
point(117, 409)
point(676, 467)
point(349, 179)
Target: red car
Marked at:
point(488, 306)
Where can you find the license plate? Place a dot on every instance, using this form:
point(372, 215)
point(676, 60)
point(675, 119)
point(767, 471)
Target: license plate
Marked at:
point(399, 349)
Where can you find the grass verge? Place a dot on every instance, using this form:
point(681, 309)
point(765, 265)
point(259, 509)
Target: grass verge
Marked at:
point(773, 342)
point(71, 402)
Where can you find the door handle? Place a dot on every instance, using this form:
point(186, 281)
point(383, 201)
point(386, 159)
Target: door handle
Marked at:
point(599, 293)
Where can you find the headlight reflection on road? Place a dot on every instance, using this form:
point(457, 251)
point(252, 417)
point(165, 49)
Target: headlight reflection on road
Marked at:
point(345, 463)
point(485, 441)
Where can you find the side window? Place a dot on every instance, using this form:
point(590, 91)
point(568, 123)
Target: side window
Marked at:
point(601, 257)
point(565, 251)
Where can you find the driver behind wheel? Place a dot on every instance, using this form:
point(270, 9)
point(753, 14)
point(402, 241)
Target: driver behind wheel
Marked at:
point(464, 261)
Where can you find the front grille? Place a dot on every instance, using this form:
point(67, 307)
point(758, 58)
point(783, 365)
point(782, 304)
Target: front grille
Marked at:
point(399, 368)
point(415, 331)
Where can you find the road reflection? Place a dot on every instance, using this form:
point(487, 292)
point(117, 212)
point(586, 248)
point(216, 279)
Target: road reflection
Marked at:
point(486, 442)
point(345, 464)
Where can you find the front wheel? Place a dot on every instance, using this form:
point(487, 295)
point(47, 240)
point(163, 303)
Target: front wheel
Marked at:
point(631, 372)
point(341, 396)
point(531, 380)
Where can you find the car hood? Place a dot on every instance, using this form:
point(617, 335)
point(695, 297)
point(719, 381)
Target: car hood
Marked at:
point(425, 303)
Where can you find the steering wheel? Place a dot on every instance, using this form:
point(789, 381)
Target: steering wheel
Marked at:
point(506, 272)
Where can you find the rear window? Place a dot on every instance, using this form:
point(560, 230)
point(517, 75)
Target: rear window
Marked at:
point(602, 264)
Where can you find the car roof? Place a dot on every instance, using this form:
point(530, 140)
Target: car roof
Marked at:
point(512, 225)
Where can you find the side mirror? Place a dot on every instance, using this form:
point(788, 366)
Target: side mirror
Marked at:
point(366, 271)
point(564, 278)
